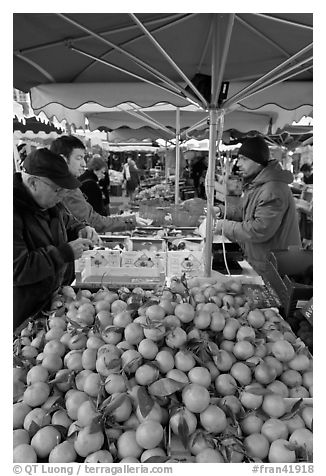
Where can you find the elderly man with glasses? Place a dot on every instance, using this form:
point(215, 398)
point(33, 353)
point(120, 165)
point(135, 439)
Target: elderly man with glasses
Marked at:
point(268, 219)
point(47, 239)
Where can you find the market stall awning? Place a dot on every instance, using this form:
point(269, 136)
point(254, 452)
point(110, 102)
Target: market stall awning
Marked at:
point(34, 125)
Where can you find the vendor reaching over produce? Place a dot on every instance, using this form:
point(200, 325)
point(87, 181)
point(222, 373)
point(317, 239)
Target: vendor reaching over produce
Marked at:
point(268, 219)
point(73, 151)
point(47, 240)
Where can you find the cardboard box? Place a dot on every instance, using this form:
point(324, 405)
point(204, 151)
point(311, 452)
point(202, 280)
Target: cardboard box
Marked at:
point(144, 259)
point(147, 278)
point(98, 258)
point(147, 243)
point(190, 263)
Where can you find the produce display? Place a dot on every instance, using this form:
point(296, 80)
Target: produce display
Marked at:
point(190, 372)
point(157, 191)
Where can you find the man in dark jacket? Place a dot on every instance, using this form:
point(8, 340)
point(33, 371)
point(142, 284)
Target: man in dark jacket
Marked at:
point(46, 239)
point(268, 219)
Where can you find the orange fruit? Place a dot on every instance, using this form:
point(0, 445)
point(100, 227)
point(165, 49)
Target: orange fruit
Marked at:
point(127, 445)
point(38, 416)
point(279, 452)
point(149, 434)
point(202, 319)
point(102, 305)
point(165, 360)
point(195, 397)
point(88, 359)
point(274, 405)
point(300, 362)
point(155, 312)
point(307, 378)
point(274, 429)
point(117, 305)
point(224, 360)
point(122, 319)
point(100, 456)
point(217, 323)
point(185, 312)
point(63, 453)
point(246, 333)
point(241, 372)
point(184, 360)
point(256, 318)
point(251, 400)
point(283, 350)
point(243, 350)
point(225, 384)
point(200, 375)
point(264, 373)
point(176, 338)
point(188, 416)
point(54, 347)
point(20, 410)
point(36, 394)
point(168, 306)
point(278, 387)
point(44, 440)
point(213, 419)
point(146, 374)
point(38, 373)
point(86, 413)
point(273, 362)
point(152, 452)
point(60, 417)
point(123, 412)
point(256, 445)
point(115, 383)
point(156, 413)
point(307, 416)
point(232, 402)
point(178, 375)
point(24, 453)
point(251, 423)
point(294, 423)
point(87, 442)
point(209, 455)
point(291, 378)
point(299, 391)
point(148, 349)
point(154, 333)
point(20, 437)
point(133, 333)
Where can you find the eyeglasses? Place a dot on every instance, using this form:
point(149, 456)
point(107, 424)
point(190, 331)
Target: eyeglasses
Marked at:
point(57, 190)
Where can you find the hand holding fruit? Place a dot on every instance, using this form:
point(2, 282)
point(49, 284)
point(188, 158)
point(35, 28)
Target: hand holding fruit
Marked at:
point(79, 246)
point(90, 233)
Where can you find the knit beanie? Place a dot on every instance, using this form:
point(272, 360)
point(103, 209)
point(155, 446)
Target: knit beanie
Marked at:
point(256, 149)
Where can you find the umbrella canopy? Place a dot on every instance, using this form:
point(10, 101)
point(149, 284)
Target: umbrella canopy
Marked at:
point(208, 52)
point(264, 114)
point(34, 125)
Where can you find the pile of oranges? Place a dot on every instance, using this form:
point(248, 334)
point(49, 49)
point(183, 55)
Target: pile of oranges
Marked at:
point(187, 373)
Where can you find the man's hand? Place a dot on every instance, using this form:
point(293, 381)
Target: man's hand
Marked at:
point(218, 227)
point(142, 221)
point(79, 246)
point(90, 233)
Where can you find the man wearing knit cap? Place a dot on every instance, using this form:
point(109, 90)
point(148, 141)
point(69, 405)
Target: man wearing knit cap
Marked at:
point(268, 218)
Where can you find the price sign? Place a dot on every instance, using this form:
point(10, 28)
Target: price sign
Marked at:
point(307, 311)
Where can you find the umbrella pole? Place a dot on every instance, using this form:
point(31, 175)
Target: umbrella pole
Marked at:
point(210, 191)
point(177, 156)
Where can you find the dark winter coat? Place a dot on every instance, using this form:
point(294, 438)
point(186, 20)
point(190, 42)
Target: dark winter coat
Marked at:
point(41, 254)
point(269, 216)
point(92, 191)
